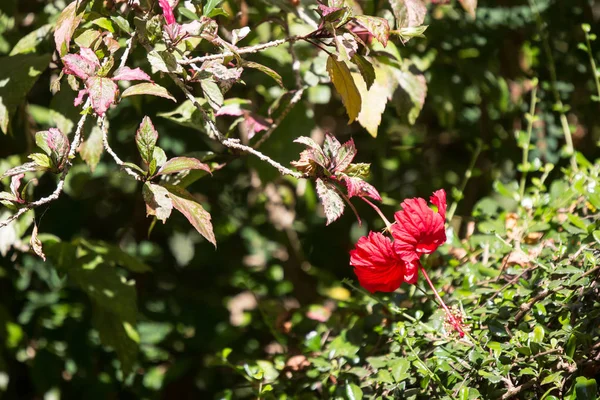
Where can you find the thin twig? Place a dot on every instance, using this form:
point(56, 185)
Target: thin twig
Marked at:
point(61, 182)
point(525, 159)
point(128, 47)
point(243, 50)
point(295, 99)
point(468, 174)
point(235, 144)
point(109, 150)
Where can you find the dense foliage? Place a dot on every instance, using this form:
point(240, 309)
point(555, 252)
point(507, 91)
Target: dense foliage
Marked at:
point(185, 185)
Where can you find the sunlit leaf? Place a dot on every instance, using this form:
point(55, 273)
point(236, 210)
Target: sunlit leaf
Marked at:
point(344, 84)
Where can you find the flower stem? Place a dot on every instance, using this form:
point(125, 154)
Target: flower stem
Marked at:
point(385, 220)
point(455, 323)
point(525, 159)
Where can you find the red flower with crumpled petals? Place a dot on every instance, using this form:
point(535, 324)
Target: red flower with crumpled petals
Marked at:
point(376, 264)
point(419, 229)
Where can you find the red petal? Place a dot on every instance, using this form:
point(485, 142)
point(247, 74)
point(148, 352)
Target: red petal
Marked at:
point(376, 265)
point(418, 230)
point(438, 199)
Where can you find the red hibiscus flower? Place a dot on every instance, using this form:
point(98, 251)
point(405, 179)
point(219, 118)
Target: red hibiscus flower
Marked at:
point(419, 229)
point(376, 264)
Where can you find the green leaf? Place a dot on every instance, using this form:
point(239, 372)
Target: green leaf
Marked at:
point(88, 38)
point(365, 67)
point(113, 332)
point(147, 88)
point(344, 84)
point(212, 93)
point(400, 368)
point(596, 235)
point(29, 42)
point(122, 23)
point(585, 389)
point(145, 139)
point(114, 254)
point(104, 23)
point(163, 61)
point(18, 73)
point(410, 32)
point(200, 219)
point(41, 160)
point(91, 149)
point(353, 392)
point(209, 6)
point(265, 70)
point(56, 145)
point(410, 96)
point(158, 202)
point(333, 203)
point(180, 164)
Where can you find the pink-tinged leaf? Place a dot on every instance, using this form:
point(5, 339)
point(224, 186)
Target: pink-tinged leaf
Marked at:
point(91, 150)
point(180, 164)
point(67, 22)
point(333, 204)
point(185, 203)
point(344, 156)
point(408, 13)
point(36, 244)
point(81, 65)
point(360, 188)
point(145, 139)
point(111, 44)
point(378, 27)
point(56, 145)
point(330, 13)
point(470, 6)
point(103, 92)
point(147, 88)
point(128, 74)
point(255, 124)
point(15, 184)
point(167, 10)
point(233, 110)
point(79, 99)
point(27, 167)
point(331, 146)
point(307, 142)
point(158, 201)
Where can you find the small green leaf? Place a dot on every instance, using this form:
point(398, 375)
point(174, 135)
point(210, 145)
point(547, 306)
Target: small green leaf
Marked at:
point(147, 88)
point(365, 68)
point(265, 70)
point(353, 392)
point(200, 219)
point(180, 164)
point(212, 93)
point(145, 139)
point(586, 389)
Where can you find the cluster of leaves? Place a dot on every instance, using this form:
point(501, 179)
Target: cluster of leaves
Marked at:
point(331, 165)
point(524, 272)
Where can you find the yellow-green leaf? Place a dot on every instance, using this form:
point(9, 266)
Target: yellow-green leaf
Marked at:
point(344, 84)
